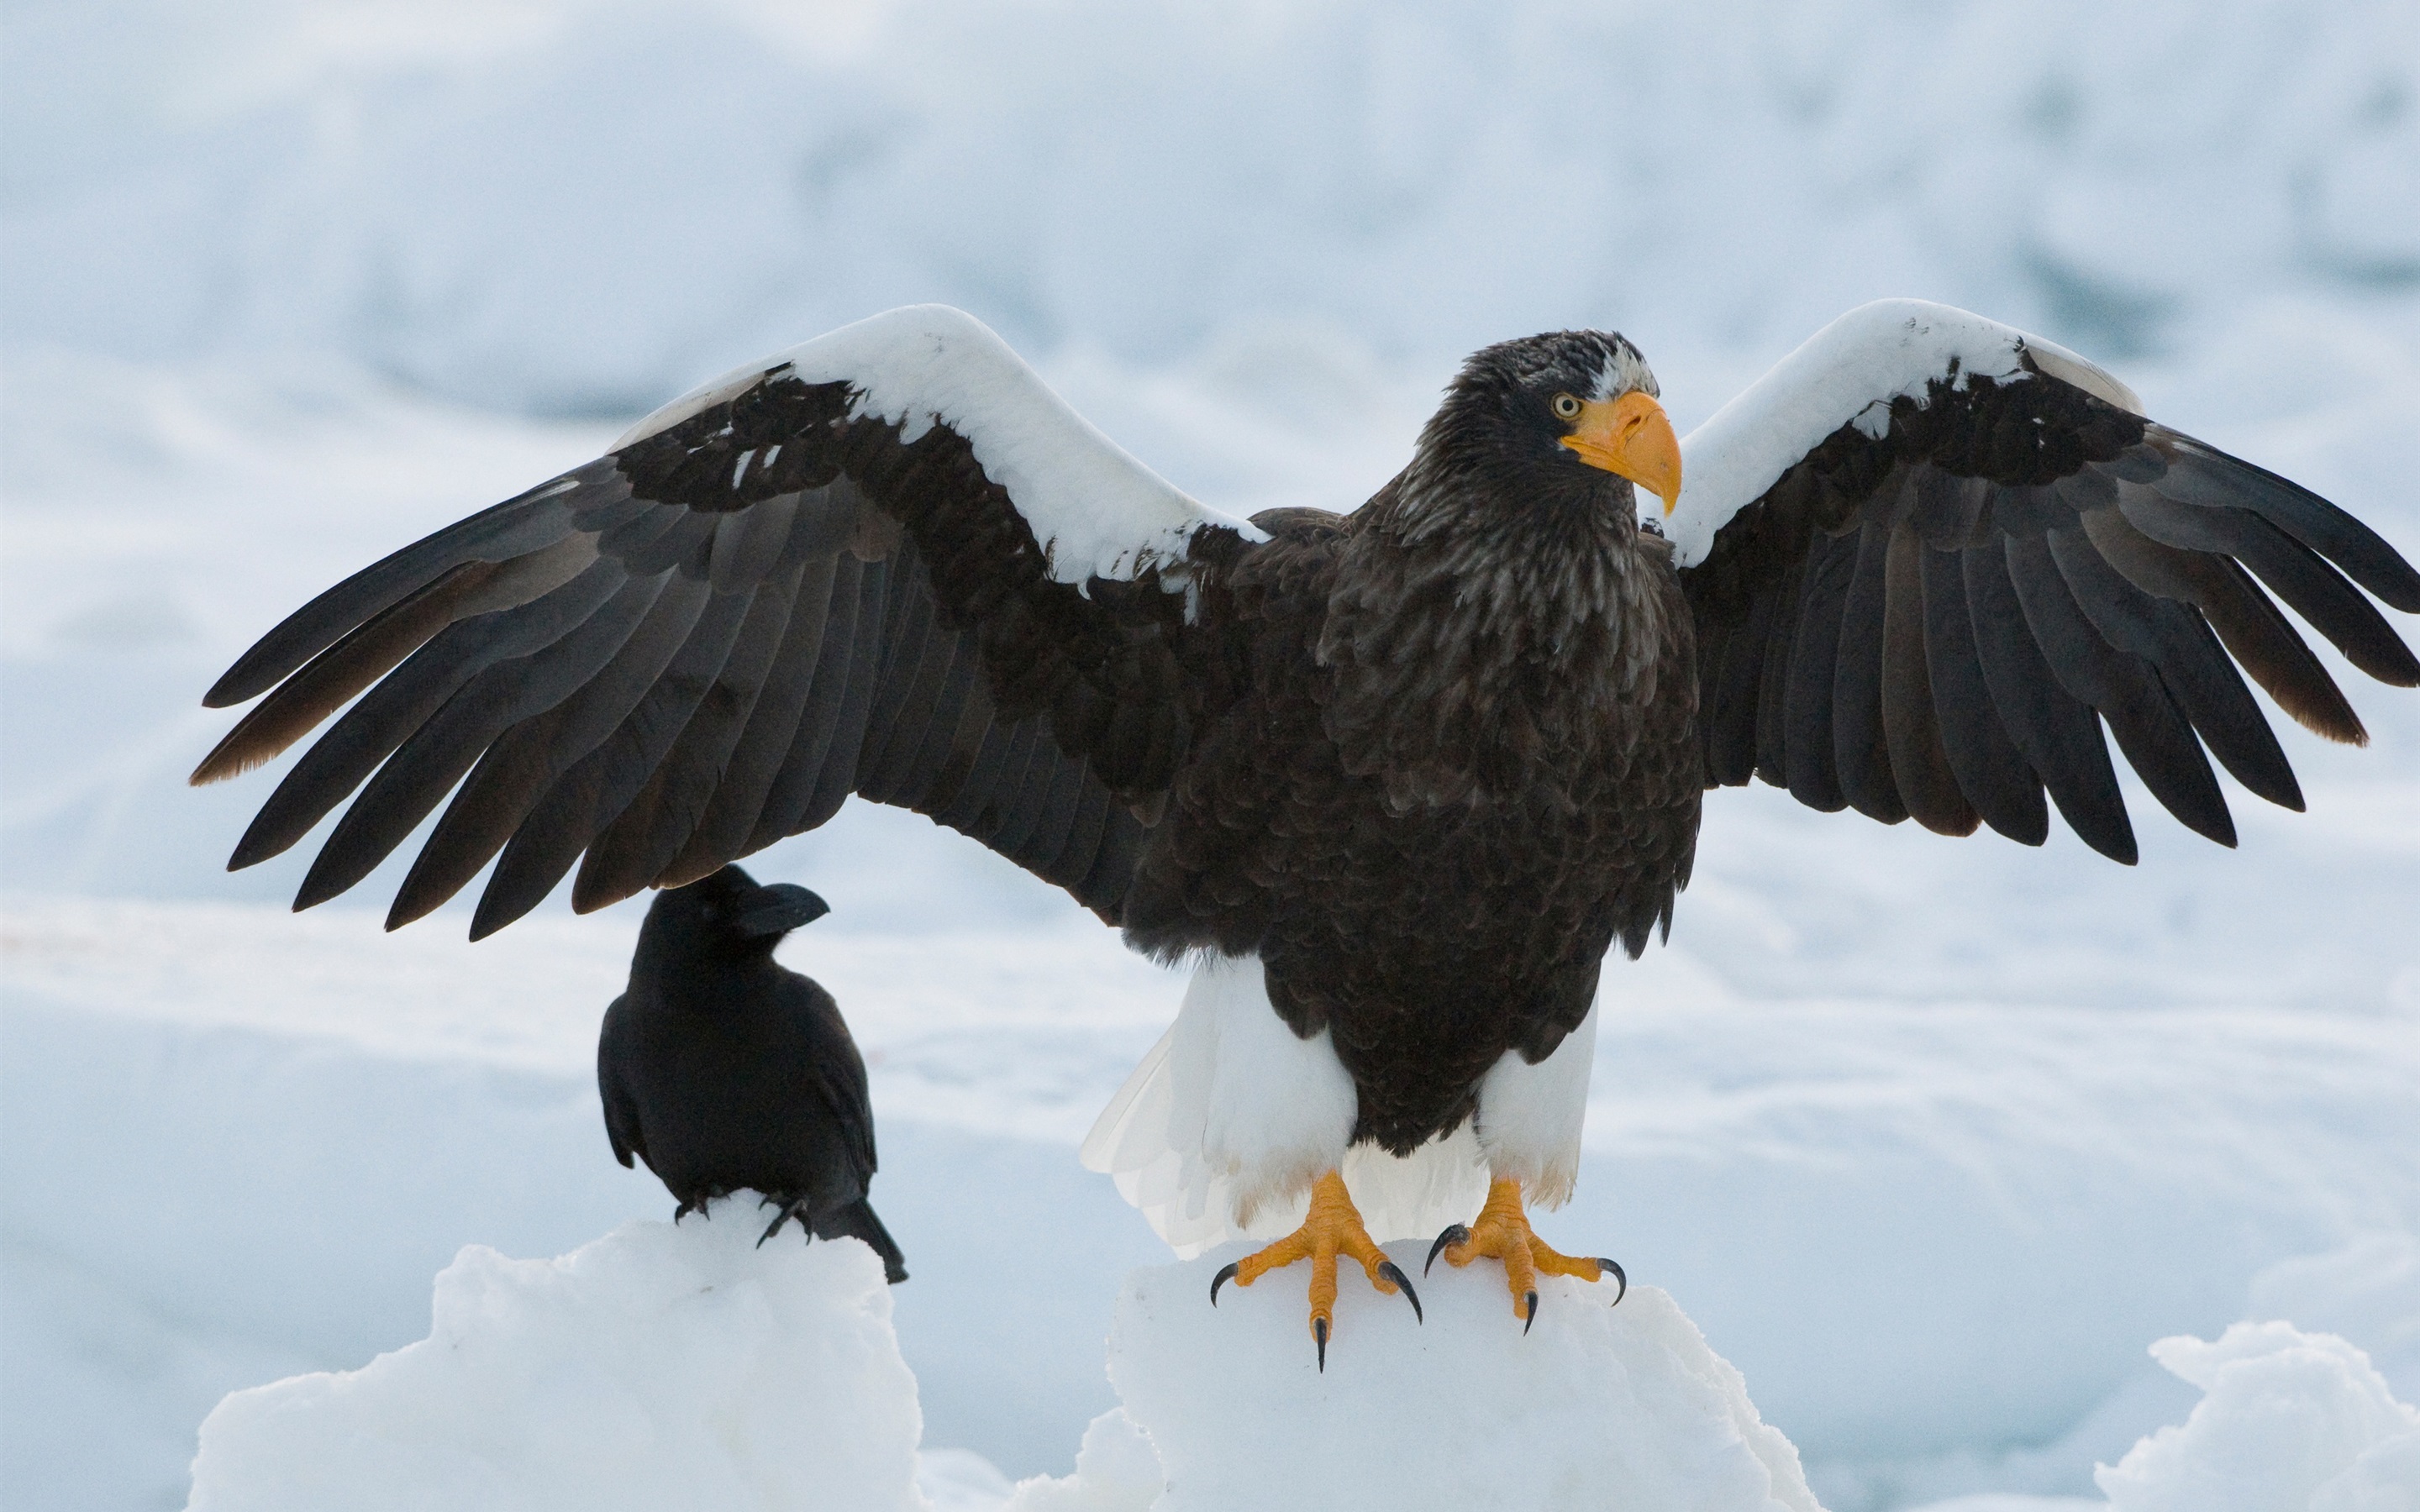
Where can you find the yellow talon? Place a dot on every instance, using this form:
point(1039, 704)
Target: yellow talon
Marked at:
point(1502, 1231)
point(1332, 1227)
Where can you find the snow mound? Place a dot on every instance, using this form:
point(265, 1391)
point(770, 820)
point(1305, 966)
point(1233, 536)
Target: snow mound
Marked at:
point(1117, 1470)
point(2289, 1421)
point(658, 1367)
point(1596, 1406)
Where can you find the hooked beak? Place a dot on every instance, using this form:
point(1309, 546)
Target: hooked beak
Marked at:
point(1630, 437)
point(777, 910)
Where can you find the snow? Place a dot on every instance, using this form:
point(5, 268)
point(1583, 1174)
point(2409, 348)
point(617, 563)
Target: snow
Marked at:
point(1847, 372)
point(1095, 510)
point(1931, 1138)
point(583, 207)
point(658, 1367)
point(2287, 1420)
point(686, 1365)
point(1597, 1405)
point(1901, 1220)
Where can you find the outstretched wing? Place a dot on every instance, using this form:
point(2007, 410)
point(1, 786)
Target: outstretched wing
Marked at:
point(889, 562)
point(1929, 557)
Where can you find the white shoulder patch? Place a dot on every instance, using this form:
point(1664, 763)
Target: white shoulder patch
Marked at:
point(1848, 372)
point(1097, 511)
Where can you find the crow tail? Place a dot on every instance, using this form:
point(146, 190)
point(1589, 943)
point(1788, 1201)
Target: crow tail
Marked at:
point(858, 1221)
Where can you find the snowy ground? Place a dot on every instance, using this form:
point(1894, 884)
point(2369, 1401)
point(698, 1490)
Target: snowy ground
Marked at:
point(1931, 1138)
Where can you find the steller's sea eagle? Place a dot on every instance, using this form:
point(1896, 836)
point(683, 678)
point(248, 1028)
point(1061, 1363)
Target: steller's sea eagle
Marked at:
point(1397, 779)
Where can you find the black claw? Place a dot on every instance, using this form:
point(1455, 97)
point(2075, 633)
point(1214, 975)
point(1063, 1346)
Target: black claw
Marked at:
point(1319, 1332)
point(1454, 1234)
point(1395, 1273)
point(1623, 1287)
point(795, 1210)
point(1226, 1273)
point(1530, 1299)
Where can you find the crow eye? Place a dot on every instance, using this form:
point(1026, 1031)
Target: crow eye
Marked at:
point(1566, 406)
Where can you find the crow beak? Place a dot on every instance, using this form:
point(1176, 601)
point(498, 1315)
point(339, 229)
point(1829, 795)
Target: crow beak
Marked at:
point(777, 910)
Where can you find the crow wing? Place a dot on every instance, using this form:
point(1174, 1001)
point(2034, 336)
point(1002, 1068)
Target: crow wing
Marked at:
point(889, 562)
point(622, 1124)
point(1930, 557)
point(834, 1067)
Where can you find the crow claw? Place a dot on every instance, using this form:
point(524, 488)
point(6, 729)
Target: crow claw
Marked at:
point(1454, 1234)
point(1622, 1288)
point(1395, 1273)
point(1225, 1275)
point(794, 1209)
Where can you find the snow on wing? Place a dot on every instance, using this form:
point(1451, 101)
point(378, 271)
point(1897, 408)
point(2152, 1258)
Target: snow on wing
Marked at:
point(889, 562)
point(1928, 556)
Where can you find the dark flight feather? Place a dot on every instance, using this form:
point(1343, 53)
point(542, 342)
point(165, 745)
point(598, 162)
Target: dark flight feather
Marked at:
point(1772, 694)
point(2055, 732)
point(2247, 624)
point(1860, 750)
point(660, 821)
point(1814, 776)
point(2309, 586)
point(603, 653)
point(824, 605)
point(517, 530)
point(2200, 474)
point(2126, 691)
point(388, 713)
point(2192, 666)
point(1987, 768)
point(1921, 766)
point(838, 731)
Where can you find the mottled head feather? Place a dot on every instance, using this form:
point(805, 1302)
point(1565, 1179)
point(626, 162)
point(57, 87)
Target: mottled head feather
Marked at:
point(1595, 364)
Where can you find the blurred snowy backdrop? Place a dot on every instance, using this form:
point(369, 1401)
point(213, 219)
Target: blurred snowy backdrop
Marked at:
point(1932, 1137)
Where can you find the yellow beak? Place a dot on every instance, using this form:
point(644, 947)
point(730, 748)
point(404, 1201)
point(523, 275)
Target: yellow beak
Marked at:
point(1630, 437)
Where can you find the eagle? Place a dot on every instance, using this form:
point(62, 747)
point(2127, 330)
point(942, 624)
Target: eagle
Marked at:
point(1393, 782)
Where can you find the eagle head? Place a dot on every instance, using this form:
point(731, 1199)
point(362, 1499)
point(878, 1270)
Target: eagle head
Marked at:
point(1553, 417)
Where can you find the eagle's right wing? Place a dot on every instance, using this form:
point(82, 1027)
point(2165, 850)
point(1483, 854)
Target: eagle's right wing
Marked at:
point(1929, 557)
point(889, 562)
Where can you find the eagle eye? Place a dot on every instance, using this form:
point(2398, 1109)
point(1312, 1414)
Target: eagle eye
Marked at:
point(1566, 406)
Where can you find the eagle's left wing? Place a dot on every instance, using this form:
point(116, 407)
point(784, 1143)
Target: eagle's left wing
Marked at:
point(1928, 556)
point(889, 562)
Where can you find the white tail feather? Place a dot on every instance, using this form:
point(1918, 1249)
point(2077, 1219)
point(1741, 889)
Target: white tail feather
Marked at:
point(1219, 1132)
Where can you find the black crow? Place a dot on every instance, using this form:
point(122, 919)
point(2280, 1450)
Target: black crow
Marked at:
point(723, 1070)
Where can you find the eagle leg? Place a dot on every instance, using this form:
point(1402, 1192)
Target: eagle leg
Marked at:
point(1332, 1228)
point(1502, 1231)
